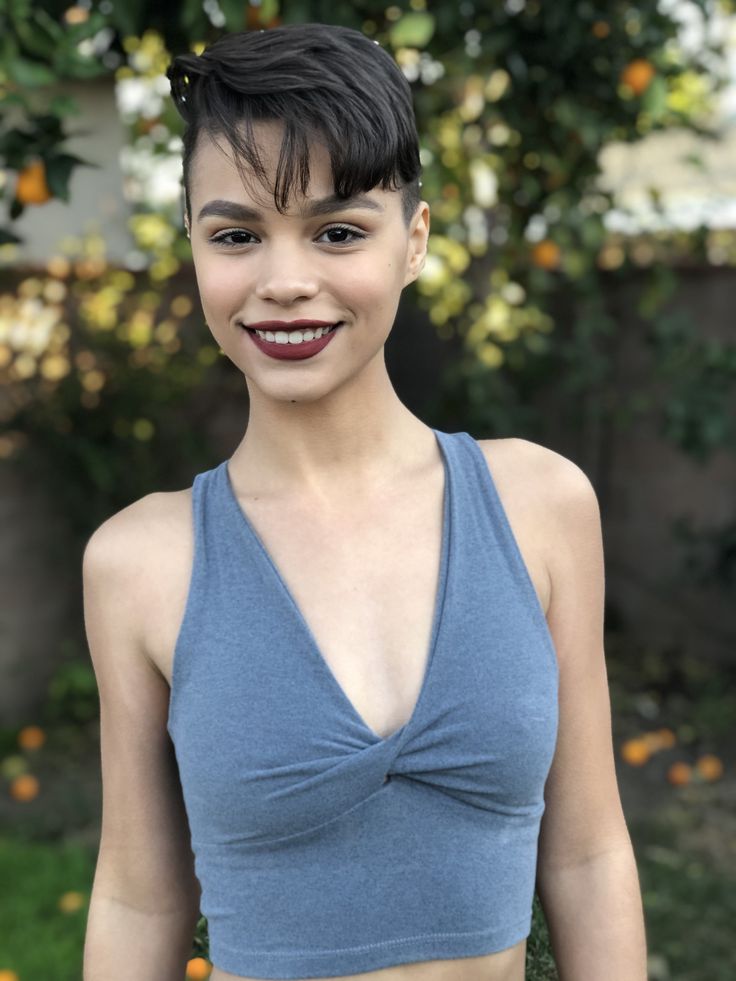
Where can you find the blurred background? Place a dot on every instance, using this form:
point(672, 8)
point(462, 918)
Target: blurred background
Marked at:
point(580, 164)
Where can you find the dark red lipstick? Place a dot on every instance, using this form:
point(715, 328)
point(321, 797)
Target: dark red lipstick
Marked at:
point(291, 351)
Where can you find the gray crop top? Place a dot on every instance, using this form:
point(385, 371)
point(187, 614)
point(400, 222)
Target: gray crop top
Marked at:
point(321, 848)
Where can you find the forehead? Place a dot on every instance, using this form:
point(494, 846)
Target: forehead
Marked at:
point(214, 172)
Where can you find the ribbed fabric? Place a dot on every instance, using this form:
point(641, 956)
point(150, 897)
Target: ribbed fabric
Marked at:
point(321, 848)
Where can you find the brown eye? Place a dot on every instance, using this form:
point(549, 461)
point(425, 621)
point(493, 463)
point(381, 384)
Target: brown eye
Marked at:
point(232, 239)
point(345, 230)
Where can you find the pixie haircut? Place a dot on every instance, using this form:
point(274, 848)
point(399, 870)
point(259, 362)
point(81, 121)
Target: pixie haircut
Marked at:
point(325, 82)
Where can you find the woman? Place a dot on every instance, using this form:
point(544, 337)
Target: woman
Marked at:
point(342, 627)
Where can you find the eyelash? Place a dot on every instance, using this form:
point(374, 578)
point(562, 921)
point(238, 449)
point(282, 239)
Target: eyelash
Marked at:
point(222, 236)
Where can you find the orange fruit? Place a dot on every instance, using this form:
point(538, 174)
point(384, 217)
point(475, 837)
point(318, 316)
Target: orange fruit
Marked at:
point(8, 975)
point(638, 74)
point(76, 15)
point(24, 788)
point(660, 739)
point(709, 767)
point(71, 901)
point(667, 738)
point(679, 774)
point(31, 737)
point(546, 254)
point(635, 752)
point(31, 187)
point(198, 969)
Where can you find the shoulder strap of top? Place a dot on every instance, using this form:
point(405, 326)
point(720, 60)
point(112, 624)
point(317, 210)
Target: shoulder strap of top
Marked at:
point(481, 510)
point(196, 593)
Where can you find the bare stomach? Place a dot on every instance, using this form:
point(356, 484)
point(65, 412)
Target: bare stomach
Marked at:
point(504, 965)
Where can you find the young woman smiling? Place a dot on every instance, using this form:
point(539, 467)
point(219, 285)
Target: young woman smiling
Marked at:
point(354, 705)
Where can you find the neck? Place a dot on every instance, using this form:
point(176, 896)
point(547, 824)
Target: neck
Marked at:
point(345, 442)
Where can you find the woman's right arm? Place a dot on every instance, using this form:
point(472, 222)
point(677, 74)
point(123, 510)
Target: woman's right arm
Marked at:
point(145, 896)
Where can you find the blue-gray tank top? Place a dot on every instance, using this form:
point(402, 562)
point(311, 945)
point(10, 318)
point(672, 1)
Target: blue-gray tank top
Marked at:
point(321, 848)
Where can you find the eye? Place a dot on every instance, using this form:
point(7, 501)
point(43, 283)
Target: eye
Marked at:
point(345, 229)
point(237, 235)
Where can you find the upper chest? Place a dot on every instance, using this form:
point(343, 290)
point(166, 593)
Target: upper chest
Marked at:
point(364, 579)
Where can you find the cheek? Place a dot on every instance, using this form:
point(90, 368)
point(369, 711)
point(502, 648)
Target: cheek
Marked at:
point(373, 279)
point(219, 284)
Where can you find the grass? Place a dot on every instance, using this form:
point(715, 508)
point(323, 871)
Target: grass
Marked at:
point(689, 902)
point(39, 940)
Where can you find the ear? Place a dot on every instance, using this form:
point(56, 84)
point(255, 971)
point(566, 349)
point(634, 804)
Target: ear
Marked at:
point(417, 245)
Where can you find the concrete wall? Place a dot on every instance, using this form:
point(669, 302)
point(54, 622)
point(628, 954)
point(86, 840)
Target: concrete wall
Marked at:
point(97, 201)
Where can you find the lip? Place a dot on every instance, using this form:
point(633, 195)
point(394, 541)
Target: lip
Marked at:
point(294, 352)
point(289, 324)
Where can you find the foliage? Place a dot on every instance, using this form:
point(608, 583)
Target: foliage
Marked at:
point(72, 695)
point(689, 901)
point(115, 381)
point(36, 50)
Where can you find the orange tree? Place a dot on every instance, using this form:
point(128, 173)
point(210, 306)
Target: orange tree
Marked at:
point(515, 102)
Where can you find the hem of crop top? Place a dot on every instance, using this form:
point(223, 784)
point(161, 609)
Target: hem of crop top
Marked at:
point(290, 965)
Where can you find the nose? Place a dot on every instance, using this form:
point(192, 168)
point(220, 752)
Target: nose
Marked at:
point(285, 276)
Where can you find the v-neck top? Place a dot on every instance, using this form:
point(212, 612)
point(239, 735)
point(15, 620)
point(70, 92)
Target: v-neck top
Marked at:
point(322, 848)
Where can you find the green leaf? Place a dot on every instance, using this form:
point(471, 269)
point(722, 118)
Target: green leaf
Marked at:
point(8, 47)
point(654, 100)
point(18, 9)
point(126, 17)
point(59, 170)
point(30, 74)
point(269, 10)
point(35, 39)
point(412, 30)
point(193, 19)
point(14, 99)
point(235, 12)
point(17, 146)
point(50, 126)
point(70, 64)
point(64, 105)
point(296, 12)
point(47, 23)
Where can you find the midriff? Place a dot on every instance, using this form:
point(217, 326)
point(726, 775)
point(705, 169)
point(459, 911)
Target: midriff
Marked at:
point(504, 965)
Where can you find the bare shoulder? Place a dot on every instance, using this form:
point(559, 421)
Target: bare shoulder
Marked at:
point(542, 461)
point(140, 549)
point(545, 495)
point(129, 539)
point(555, 482)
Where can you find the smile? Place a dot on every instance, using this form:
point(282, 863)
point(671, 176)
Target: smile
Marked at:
point(293, 336)
point(293, 345)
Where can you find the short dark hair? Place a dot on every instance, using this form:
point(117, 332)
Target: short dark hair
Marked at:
point(323, 81)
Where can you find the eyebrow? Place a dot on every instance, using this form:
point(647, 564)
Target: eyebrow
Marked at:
point(323, 206)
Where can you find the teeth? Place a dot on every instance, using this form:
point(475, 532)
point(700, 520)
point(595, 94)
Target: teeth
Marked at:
point(293, 336)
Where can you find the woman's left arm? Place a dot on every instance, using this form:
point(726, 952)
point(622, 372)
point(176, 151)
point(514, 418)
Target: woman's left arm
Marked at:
point(587, 878)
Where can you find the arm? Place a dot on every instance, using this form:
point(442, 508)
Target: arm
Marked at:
point(595, 918)
point(587, 878)
point(145, 897)
point(124, 942)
